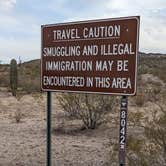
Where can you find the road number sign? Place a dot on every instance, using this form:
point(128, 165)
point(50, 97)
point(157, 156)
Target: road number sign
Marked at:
point(123, 130)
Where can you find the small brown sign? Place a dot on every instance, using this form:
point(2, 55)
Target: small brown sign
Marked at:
point(97, 56)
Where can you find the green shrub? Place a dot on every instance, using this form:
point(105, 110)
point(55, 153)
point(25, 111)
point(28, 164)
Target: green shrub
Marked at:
point(18, 116)
point(139, 100)
point(90, 108)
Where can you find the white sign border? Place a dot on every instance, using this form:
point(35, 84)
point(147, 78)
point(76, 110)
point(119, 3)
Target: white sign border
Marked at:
point(92, 21)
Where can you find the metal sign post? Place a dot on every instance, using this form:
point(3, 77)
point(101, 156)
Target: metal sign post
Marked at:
point(48, 128)
point(123, 130)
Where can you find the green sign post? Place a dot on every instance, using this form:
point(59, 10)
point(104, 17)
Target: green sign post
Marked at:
point(49, 128)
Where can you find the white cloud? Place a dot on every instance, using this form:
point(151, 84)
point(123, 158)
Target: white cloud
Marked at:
point(152, 20)
point(6, 5)
point(27, 49)
point(8, 21)
point(78, 10)
point(136, 5)
point(20, 31)
point(152, 34)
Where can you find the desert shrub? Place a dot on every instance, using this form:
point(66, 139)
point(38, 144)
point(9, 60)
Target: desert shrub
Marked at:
point(153, 65)
point(163, 95)
point(38, 97)
point(155, 131)
point(90, 108)
point(18, 116)
point(142, 69)
point(30, 86)
point(135, 118)
point(149, 149)
point(135, 155)
point(4, 75)
point(139, 100)
point(4, 81)
point(142, 153)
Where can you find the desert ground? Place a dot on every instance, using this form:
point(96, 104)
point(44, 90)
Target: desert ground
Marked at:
point(24, 143)
point(23, 123)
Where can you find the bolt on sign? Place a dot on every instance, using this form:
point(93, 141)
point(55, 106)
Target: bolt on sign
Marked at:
point(97, 56)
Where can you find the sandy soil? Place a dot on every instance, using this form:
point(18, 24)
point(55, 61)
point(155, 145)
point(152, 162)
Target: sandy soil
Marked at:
point(24, 143)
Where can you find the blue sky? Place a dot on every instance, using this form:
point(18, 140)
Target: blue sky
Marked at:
point(21, 20)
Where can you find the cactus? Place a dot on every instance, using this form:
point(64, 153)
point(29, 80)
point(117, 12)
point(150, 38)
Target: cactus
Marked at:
point(13, 76)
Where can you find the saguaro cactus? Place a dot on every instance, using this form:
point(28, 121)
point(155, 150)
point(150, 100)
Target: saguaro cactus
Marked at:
point(13, 76)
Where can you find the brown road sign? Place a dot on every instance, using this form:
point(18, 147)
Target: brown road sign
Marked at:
point(97, 56)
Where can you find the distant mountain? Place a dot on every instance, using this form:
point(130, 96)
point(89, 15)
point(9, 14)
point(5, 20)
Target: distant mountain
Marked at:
point(151, 54)
point(29, 72)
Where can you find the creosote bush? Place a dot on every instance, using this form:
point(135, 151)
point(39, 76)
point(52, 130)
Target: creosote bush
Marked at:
point(155, 131)
point(140, 100)
point(18, 116)
point(90, 108)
